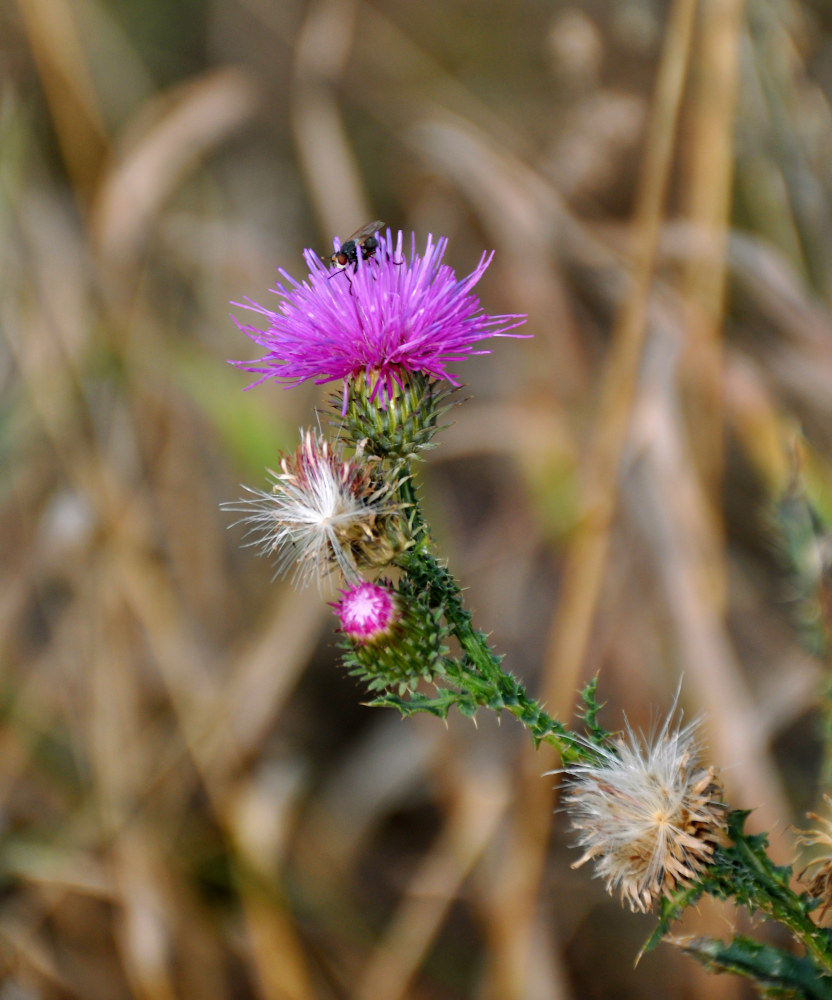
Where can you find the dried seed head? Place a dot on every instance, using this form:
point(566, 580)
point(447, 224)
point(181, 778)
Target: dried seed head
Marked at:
point(647, 813)
point(817, 875)
point(324, 512)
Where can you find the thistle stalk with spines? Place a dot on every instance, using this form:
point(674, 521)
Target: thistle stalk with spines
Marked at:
point(648, 814)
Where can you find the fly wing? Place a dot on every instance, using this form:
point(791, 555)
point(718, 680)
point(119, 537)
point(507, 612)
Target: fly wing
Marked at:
point(365, 231)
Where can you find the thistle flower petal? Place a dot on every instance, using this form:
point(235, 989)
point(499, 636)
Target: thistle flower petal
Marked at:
point(387, 316)
point(647, 813)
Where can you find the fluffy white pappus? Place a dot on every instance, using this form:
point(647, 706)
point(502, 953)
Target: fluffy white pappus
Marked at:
point(647, 813)
point(321, 510)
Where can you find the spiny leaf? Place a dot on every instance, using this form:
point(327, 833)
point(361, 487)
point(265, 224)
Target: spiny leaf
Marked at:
point(417, 702)
point(591, 708)
point(776, 973)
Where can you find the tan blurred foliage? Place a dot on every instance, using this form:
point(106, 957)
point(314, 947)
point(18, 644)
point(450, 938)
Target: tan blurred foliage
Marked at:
point(193, 802)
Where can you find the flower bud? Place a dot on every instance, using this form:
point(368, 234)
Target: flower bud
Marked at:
point(367, 612)
point(392, 638)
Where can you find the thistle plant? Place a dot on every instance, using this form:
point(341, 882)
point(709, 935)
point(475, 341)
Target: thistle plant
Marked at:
point(344, 509)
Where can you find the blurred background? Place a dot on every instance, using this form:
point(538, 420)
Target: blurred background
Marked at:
point(193, 800)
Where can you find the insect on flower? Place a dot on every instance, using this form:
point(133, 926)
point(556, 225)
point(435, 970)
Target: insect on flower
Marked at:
point(408, 313)
point(362, 241)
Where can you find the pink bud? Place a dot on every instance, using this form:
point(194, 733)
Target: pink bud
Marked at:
point(367, 612)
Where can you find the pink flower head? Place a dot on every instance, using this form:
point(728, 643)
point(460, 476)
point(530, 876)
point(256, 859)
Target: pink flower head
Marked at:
point(367, 612)
point(384, 317)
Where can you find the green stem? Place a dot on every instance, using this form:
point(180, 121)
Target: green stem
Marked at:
point(777, 900)
point(409, 497)
point(507, 693)
point(480, 674)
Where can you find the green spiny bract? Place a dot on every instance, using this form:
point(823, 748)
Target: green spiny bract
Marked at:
point(404, 425)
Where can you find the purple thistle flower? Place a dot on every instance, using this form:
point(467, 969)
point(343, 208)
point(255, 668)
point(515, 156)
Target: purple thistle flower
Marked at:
point(367, 612)
point(385, 318)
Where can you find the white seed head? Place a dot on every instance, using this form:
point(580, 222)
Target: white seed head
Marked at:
point(321, 513)
point(647, 813)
